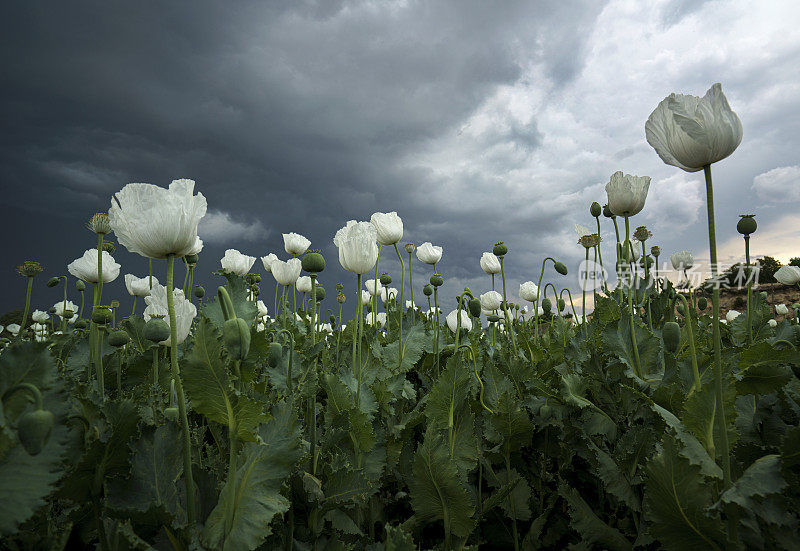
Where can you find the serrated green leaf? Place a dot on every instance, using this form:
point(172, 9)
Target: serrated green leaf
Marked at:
point(691, 448)
point(437, 493)
point(678, 498)
point(448, 395)
point(253, 495)
point(415, 342)
point(205, 379)
point(761, 479)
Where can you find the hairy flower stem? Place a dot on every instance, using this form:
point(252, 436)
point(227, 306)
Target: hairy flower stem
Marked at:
point(133, 309)
point(637, 367)
point(176, 375)
point(150, 272)
point(536, 302)
point(600, 258)
point(339, 333)
point(583, 306)
point(723, 426)
point(690, 338)
point(749, 289)
point(402, 304)
point(155, 366)
point(98, 338)
point(312, 400)
point(375, 295)
point(436, 328)
point(411, 286)
point(359, 310)
point(185, 274)
point(27, 304)
point(509, 323)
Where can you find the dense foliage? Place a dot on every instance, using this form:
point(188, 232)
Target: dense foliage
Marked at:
point(548, 442)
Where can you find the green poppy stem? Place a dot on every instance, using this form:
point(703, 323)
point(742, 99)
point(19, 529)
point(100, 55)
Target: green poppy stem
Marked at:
point(411, 286)
point(509, 323)
point(402, 303)
point(176, 375)
point(27, 304)
point(748, 319)
point(720, 404)
point(631, 289)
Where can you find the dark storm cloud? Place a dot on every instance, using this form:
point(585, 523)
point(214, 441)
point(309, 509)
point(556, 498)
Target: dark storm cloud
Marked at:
point(290, 116)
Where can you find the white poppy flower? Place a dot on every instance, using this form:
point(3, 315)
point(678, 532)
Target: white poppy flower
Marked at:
point(690, 132)
point(788, 275)
point(682, 260)
point(268, 260)
point(732, 315)
point(358, 250)
point(304, 284)
point(429, 254)
point(156, 222)
point(138, 287)
point(452, 320)
point(781, 309)
point(772, 323)
point(380, 318)
point(410, 304)
point(490, 263)
point(185, 311)
point(294, 243)
point(262, 309)
point(40, 317)
point(491, 300)
point(627, 193)
point(85, 267)
point(366, 298)
point(286, 273)
point(389, 227)
point(236, 262)
point(388, 293)
point(528, 291)
point(60, 307)
point(13, 328)
point(373, 286)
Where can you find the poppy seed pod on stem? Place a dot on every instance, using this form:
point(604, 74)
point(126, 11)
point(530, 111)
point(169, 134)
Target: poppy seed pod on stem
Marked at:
point(313, 262)
point(437, 280)
point(427, 290)
point(156, 329)
point(52, 282)
point(101, 315)
point(747, 224)
point(199, 291)
point(118, 338)
point(500, 249)
point(385, 279)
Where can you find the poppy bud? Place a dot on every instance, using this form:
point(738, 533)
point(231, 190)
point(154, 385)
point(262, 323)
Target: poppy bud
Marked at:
point(437, 280)
point(494, 318)
point(118, 338)
point(596, 210)
point(191, 259)
point(333, 320)
point(561, 304)
point(313, 262)
point(236, 335)
point(500, 249)
point(681, 310)
point(547, 305)
point(101, 315)
point(702, 303)
point(671, 333)
point(156, 330)
point(52, 282)
point(607, 212)
point(275, 353)
point(545, 411)
point(427, 290)
point(747, 224)
point(561, 268)
point(80, 285)
point(475, 307)
point(33, 430)
point(199, 291)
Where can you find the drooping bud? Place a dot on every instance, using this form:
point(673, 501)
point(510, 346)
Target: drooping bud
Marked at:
point(671, 333)
point(596, 210)
point(236, 335)
point(747, 224)
point(561, 304)
point(500, 249)
point(702, 303)
point(275, 353)
point(607, 212)
point(171, 413)
point(33, 430)
point(80, 285)
point(547, 305)
point(561, 268)
point(53, 281)
point(475, 307)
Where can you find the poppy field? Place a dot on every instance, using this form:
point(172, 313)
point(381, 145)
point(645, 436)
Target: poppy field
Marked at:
point(260, 409)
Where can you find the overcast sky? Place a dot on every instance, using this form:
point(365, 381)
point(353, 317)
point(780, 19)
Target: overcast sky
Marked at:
point(476, 121)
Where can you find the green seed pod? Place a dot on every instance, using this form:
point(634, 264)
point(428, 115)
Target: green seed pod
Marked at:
point(385, 279)
point(437, 280)
point(427, 290)
point(52, 282)
point(102, 315)
point(681, 309)
point(494, 318)
point(500, 249)
point(199, 291)
point(671, 333)
point(118, 338)
point(236, 335)
point(561, 304)
point(319, 292)
point(33, 430)
point(596, 210)
point(191, 259)
point(81, 324)
point(475, 307)
point(156, 330)
point(702, 303)
point(68, 314)
point(52, 310)
point(747, 224)
point(547, 305)
point(80, 285)
point(313, 262)
point(561, 268)
point(275, 353)
point(171, 413)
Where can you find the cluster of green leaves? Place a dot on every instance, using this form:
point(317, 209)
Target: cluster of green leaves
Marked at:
point(555, 443)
